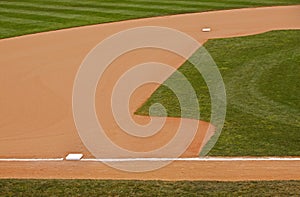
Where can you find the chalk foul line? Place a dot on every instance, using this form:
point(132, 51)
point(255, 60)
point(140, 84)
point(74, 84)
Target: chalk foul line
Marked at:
point(222, 159)
point(197, 159)
point(31, 159)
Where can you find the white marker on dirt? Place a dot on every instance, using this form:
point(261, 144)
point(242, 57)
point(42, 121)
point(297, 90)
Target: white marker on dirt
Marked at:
point(74, 157)
point(206, 29)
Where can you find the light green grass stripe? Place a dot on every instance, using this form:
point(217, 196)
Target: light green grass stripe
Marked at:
point(144, 6)
point(252, 2)
point(220, 4)
point(50, 20)
point(71, 13)
point(246, 95)
point(6, 30)
point(180, 6)
point(45, 13)
point(148, 6)
point(185, 4)
point(102, 10)
point(112, 5)
point(17, 20)
point(264, 2)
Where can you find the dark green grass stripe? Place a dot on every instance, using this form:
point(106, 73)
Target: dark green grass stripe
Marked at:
point(252, 2)
point(29, 187)
point(175, 5)
point(260, 3)
point(61, 12)
point(48, 16)
point(11, 24)
point(73, 13)
point(49, 20)
point(7, 28)
point(264, 2)
point(188, 7)
point(100, 4)
point(188, 3)
point(141, 7)
point(67, 13)
point(133, 6)
point(77, 10)
point(19, 20)
point(126, 9)
point(16, 9)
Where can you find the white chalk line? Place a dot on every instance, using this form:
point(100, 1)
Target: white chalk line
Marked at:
point(32, 159)
point(222, 159)
point(197, 159)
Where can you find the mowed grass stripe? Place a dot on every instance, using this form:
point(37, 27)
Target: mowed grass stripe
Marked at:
point(210, 4)
point(40, 13)
point(77, 10)
point(59, 14)
point(67, 13)
point(55, 8)
point(146, 5)
point(182, 7)
point(190, 4)
point(62, 22)
point(8, 24)
point(145, 9)
point(247, 95)
point(263, 94)
point(17, 20)
point(132, 5)
point(49, 20)
point(227, 2)
point(264, 2)
point(48, 187)
point(100, 4)
point(127, 5)
point(7, 28)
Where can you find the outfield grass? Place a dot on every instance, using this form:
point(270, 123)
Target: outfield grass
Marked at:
point(19, 17)
point(260, 121)
point(261, 74)
point(146, 188)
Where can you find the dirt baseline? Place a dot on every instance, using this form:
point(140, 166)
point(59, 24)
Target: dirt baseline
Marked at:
point(37, 75)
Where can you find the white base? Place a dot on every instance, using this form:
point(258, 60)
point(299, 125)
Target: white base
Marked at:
point(74, 157)
point(207, 29)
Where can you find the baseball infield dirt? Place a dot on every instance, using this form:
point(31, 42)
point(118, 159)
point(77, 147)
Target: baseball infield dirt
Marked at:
point(36, 83)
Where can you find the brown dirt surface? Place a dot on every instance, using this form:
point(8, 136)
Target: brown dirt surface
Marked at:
point(178, 170)
point(36, 83)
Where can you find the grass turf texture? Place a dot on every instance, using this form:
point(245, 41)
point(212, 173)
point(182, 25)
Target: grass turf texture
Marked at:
point(30, 16)
point(19, 17)
point(145, 188)
point(261, 75)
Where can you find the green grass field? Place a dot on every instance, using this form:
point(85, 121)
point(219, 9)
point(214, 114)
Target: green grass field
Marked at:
point(261, 75)
point(146, 188)
point(19, 17)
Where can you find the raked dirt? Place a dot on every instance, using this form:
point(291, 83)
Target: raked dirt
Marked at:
point(36, 83)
